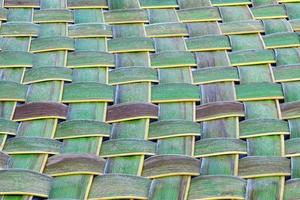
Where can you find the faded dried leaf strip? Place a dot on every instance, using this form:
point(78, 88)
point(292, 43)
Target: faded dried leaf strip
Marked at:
point(263, 166)
point(170, 165)
point(40, 110)
point(290, 110)
point(22, 3)
point(130, 111)
point(77, 4)
point(74, 164)
point(217, 110)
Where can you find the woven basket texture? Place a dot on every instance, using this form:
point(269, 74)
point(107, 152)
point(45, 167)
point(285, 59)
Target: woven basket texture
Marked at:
point(150, 99)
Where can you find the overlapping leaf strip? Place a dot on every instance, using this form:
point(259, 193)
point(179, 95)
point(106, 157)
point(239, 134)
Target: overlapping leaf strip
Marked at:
point(149, 99)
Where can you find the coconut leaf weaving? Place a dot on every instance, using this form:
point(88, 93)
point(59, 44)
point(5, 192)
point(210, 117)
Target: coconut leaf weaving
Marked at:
point(150, 99)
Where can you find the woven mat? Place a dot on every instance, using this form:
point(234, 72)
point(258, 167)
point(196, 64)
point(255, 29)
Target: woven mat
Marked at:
point(150, 99)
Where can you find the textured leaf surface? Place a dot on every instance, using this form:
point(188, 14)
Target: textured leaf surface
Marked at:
point(149, 99)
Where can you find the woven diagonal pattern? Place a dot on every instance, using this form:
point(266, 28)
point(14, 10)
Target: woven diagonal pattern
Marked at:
point(150, 99)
